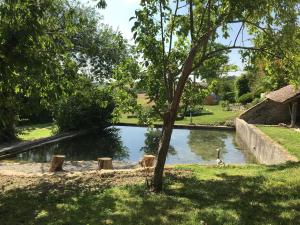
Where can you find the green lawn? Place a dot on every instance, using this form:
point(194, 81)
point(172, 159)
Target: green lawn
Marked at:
point(32, 132)
point(208, 195)
point(287, 137)
point(217, 117)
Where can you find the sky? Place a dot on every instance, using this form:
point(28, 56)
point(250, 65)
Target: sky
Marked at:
point(117, 15)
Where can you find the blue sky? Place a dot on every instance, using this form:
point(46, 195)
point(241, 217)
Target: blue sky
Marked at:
point(118, 13)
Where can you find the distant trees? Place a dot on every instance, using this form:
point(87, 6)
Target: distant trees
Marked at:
point(44, 46)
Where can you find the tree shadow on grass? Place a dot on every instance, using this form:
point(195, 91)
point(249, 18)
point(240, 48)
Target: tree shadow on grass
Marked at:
point(241, 200)
point(229, 199)
point(284, 166)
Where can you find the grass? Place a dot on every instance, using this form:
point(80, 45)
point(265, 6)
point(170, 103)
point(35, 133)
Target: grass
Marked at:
point(217, 116)
point(250, 194)
point(287, 137)
point(32, 132)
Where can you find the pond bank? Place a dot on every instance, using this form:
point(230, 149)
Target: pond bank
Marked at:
point(182, 126)
point(23, 146)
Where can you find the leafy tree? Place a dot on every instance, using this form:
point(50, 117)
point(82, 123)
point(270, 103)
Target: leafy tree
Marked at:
point(273, 71)
point(225, 88)
point(179, 37)
point(44, 45)
point(89, 106)
point(242, 85)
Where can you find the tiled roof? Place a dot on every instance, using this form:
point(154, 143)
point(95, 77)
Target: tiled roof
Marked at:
point(284, 94)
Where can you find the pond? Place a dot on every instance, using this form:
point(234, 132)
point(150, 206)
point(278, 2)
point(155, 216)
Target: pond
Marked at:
point(129, 144)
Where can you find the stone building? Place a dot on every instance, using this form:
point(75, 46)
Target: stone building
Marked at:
point(281, 106)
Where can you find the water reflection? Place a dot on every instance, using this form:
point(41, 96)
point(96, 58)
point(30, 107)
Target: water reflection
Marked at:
point(107, 143)
point(206, 143)
point(152, 137)
point(131, 143)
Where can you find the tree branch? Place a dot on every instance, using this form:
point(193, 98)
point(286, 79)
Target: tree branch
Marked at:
point(191, 20)
point(163, 51)
point(172, 27)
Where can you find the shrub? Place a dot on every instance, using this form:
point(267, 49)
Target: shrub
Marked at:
point(242, 85)
point(225, 106)
point(229, 96)
point(245, 98)
point(86, 108)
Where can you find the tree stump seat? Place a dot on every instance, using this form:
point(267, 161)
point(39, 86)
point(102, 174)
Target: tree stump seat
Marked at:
point(57, 163)
point(105, 163)
point(147, 161)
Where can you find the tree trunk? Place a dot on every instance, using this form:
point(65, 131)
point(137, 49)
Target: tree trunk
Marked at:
point(57, 163)
point(169, 120)
point(294, 114)
point(163, 151)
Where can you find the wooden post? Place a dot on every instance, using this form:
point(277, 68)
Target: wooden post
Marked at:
point(105, 163)
point(57, 163)
point(147, 161)
point(294, 114)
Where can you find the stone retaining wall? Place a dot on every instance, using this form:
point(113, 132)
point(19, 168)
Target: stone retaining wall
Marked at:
point(267, 112)
point(265, 150)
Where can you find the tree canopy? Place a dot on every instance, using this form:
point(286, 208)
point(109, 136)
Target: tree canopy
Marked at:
point(44, 46)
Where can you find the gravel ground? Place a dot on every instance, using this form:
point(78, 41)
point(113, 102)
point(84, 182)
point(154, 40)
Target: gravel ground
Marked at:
point(69, 166)
point(73, 181)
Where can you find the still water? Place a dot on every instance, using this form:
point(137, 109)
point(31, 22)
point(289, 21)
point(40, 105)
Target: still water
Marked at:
point(131, 143)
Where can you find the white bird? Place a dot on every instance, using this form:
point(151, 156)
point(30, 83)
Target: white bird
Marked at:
point(219, 161)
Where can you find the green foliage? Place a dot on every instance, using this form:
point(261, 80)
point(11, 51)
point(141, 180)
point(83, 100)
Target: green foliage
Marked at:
point(8, 117)
point(246, 98)
point(242, 85)
point(88, 107)
point(281, 39)
point(192, 98)
point(225, 88)
point(43, 47)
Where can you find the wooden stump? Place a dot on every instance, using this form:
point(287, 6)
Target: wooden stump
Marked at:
point(57, 163)
point(147, 161)
point(105, 163)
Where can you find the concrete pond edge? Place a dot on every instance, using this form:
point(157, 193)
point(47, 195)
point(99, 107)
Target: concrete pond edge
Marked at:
point(24, 146)
point(264, 148)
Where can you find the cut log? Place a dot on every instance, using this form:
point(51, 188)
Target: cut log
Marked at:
point(105, 164)
point(57, 163)
point(147, 161)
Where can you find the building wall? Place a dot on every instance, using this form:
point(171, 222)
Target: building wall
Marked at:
point(267, 112)
point(265, 150)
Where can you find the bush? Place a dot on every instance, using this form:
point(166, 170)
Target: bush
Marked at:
point(246, 98)
point(85, 109)
point(229, 96)
point(242, 85)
